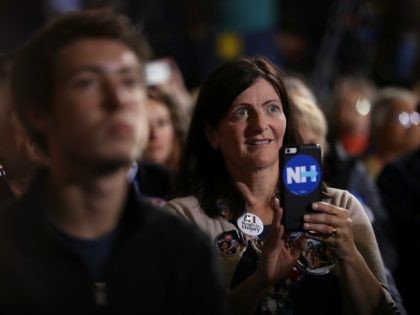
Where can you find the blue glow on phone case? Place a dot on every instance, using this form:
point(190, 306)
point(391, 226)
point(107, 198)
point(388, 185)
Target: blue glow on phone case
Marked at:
point(302, 175)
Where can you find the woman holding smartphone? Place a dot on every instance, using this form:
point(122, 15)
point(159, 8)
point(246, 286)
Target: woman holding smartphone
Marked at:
point(228, 184)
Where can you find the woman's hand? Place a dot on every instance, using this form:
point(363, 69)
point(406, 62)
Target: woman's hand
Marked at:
point(277, 257)
point(332, 225)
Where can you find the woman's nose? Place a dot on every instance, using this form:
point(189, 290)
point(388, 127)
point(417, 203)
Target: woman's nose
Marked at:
point(152, 132)
point(258, 121)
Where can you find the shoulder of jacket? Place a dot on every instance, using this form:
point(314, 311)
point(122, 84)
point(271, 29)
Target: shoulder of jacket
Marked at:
point(340, 197)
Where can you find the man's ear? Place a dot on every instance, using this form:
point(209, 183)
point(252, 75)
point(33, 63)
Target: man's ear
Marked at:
point(211, 138)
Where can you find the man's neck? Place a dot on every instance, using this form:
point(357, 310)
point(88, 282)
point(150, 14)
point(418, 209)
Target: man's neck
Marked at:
point(86, 207)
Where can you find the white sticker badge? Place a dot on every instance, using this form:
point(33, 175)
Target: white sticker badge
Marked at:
point(250, 224)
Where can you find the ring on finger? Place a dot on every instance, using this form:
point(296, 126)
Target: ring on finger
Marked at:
point(334, 232)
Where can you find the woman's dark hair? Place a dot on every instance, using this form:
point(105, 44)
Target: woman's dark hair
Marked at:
point(202, 171)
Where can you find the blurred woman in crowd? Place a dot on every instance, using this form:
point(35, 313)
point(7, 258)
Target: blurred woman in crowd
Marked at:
point(168, 125)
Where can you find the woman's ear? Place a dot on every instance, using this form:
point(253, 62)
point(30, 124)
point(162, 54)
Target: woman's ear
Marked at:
point(210, 135)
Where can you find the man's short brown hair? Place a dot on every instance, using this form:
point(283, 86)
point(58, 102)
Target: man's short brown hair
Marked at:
point(33, 71)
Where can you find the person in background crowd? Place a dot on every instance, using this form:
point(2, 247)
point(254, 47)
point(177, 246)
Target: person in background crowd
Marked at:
point(348, 139)
point(313, 128)
point(345, 172)
point(395, 128)
point(168, 126)
point(243, 116)
point(297, 85)
point(153, 174)
point(349, 116)
point(18, 157)
point(163, 74)
point(151, 180)
point(399, 185)
point(79, 241)
point(312, 122)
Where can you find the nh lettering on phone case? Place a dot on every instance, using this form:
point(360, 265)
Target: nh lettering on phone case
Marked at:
point(301, 181)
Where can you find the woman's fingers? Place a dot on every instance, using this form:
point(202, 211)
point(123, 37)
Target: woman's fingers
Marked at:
point(332, 225)
point(328, 209)
point(277, 213)
point(326, 218)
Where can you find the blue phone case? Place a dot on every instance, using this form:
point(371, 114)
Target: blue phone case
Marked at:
point(301, 183)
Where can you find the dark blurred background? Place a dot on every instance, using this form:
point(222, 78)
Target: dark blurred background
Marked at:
point(319, 40)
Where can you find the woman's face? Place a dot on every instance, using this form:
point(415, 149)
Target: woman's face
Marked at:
point(161, 135)
point(400, 134)
point(353, 116)
point(251, 133)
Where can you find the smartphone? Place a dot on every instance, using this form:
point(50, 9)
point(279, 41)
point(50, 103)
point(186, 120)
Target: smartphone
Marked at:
point(157, 72)
point(301, 183)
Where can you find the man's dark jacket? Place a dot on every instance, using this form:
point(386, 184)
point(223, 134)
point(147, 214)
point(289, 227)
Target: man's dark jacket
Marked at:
point(158, 265)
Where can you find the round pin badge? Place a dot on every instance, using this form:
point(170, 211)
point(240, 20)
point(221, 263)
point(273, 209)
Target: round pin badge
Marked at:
point(257, 243)
point(316, 258)
point(230, 243)
point(250, 224)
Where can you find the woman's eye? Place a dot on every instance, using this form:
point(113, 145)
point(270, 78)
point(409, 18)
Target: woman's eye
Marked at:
point(241, 113)
point(130, 81)
point(161, 123)
point(84, 83)
point(274, 109)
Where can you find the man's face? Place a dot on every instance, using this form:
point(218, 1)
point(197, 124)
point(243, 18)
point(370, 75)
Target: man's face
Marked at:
point(98, 111)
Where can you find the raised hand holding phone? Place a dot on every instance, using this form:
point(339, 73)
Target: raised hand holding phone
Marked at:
point(301, 182)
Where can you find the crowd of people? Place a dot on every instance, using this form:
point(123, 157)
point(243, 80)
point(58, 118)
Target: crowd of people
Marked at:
point(124, 193)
